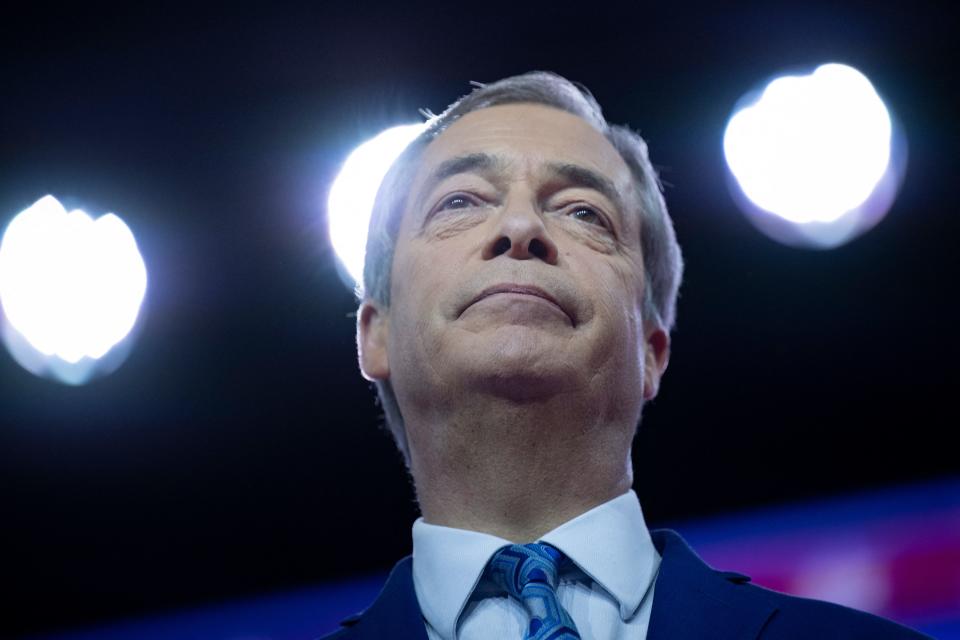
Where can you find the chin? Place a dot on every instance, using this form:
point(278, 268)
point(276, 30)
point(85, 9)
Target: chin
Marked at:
point(520, 365)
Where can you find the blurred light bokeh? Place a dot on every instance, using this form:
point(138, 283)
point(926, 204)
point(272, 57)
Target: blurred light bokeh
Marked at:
point(817, 158)
point(354, 190)
point(71, 289)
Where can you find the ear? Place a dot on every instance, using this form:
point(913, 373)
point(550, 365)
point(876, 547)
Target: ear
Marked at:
point(373, 331)
point(656, 359)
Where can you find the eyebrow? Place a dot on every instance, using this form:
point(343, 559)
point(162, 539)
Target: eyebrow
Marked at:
point(481, 163)
point(579, 176)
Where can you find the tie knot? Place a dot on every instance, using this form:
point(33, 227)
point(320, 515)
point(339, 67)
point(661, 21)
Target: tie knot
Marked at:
point(515, 567)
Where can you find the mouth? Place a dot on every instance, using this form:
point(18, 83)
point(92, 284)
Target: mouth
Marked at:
point(521, 289)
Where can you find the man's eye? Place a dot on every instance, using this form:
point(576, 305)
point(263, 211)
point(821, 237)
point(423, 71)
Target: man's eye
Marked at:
point(586, 214)
point(456, 201)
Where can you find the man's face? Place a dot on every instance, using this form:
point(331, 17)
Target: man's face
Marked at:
point(518, 269)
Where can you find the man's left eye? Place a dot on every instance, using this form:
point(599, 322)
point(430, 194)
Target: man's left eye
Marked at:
point(588, 215)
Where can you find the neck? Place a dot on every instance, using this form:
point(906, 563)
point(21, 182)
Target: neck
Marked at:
point(518, 470)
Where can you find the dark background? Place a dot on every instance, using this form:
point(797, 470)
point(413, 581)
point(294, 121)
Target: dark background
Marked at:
point(237, 450)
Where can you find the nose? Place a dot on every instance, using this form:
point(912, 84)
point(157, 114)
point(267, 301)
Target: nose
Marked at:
point(519, 233)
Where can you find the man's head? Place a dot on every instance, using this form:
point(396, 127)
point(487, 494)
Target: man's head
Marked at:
point(521, 247)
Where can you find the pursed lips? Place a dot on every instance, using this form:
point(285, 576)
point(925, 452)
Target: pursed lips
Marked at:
point(522, 289)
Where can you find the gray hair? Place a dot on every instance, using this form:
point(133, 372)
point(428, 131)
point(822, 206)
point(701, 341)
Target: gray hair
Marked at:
point(662, 261)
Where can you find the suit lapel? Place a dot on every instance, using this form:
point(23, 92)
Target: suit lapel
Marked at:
point(691, 600)
point(395, 614)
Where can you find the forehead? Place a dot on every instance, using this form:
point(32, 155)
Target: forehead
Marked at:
point(527, 135)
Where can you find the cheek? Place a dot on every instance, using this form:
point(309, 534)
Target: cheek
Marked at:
point(618, 296)
point(410, 278)
point(619, 291)
point(420, 283)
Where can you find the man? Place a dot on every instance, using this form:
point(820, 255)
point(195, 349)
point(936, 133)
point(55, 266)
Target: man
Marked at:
point(519, 291)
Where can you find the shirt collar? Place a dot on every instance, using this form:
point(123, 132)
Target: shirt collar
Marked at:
point(610, 543)
point(447, 565)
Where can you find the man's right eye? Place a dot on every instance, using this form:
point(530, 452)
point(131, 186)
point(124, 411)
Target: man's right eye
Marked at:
point(456, 201)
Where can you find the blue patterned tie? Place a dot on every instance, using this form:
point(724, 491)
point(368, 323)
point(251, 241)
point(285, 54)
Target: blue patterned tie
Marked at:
point(528, 572)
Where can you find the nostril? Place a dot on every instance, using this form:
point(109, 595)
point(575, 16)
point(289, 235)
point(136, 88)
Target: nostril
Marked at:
point(501, 246)
point(539, 249)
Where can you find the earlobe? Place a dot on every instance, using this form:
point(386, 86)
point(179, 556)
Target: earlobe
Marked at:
point(656, 359)
point(372, 336)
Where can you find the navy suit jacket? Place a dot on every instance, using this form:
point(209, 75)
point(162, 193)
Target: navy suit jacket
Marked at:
point(691, 601)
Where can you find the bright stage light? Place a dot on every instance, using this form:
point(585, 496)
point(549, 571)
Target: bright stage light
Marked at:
point(816, 152)
point(354, 190)
point(71, 288)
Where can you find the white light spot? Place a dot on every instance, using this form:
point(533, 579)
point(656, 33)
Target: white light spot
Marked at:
point(814, 148)
point(70, 288)
point(354, 190)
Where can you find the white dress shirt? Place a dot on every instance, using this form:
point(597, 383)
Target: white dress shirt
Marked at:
point(608, 593)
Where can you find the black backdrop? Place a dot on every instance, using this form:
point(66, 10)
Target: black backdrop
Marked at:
point(237, 450)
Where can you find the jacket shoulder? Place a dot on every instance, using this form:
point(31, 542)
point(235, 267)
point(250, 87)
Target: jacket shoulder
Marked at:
point(801, 618)
point(692, 599)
